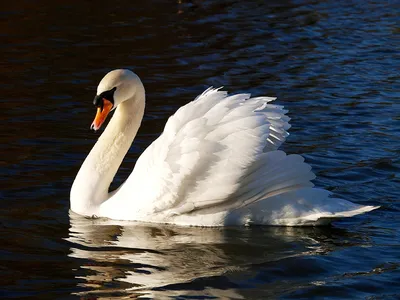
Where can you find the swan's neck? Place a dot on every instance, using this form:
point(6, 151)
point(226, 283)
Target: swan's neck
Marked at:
point(93, 180)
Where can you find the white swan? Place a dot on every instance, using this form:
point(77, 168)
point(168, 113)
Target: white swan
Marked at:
point(215, 164)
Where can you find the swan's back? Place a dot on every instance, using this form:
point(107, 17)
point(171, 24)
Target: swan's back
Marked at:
point(217, 163)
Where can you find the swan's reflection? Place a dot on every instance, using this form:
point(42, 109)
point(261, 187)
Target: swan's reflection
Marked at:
point(157, 261)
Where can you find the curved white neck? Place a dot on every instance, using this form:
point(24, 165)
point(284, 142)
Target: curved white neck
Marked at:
point(93, 180)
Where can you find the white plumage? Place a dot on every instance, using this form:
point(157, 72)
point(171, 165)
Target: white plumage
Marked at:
point(215, 164)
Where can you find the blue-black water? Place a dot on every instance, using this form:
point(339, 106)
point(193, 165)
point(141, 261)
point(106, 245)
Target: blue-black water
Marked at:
point(333, 64)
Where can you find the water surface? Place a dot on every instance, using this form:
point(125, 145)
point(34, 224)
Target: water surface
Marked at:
point(333, 64)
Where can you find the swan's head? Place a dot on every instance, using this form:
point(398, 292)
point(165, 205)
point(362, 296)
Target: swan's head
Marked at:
point(116, 87)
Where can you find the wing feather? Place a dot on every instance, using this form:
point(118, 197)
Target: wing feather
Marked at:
point(212, 152)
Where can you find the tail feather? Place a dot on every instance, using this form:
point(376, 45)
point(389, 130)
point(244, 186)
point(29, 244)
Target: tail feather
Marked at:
point(298, 207)
point(279, 191)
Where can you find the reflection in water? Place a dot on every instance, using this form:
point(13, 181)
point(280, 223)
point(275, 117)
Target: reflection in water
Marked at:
point(142, 257)
point(155, 260)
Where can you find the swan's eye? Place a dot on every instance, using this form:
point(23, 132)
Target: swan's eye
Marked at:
point(99, 102)
point(107, 95)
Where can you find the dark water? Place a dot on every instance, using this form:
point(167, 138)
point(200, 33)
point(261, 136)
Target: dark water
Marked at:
point(333, 64)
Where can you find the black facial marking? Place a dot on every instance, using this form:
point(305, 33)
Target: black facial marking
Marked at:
point(109, 95)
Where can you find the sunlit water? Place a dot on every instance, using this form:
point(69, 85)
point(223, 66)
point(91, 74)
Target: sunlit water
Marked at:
point(333, 64)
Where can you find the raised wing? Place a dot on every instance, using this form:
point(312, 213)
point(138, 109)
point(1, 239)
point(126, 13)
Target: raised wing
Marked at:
point(217, 152)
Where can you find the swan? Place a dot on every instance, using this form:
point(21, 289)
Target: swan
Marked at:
point(216, 163)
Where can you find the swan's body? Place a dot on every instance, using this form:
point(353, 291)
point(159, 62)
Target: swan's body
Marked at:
point(215, 164)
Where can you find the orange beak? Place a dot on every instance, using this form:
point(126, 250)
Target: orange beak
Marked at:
point(101, 115)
